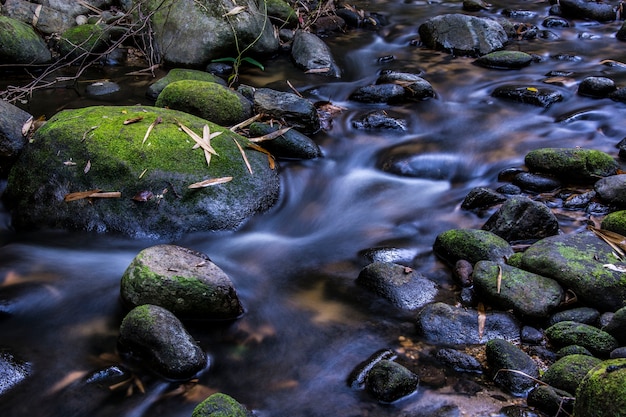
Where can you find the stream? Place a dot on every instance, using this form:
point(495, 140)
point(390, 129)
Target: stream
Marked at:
point(307, 324)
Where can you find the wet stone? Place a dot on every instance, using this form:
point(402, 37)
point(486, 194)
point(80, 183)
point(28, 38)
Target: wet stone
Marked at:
point(471, 245)
point(620, 352)
point(596, 87)
point(415, 87)
point(531, 335)
point(295, 110)
point(536, 183)
point(218, 405)
point(12, 370)
point(480, 198)
point(102, 88)
point(566, 373)
point(571, 164)
point(586, 315)
point(310, 53)
point(505, 60)
point(555, 22)
point(457, 360)
point(504, 355)
point(595, 340)
point(290, 145)
point(389, 381)
point(617, 325)
point(379, 120)
point(612, 190)
point(537, 96)
point(551, 401)
point(605, 381)
point(462, 272)
point(584, 9)
point(572, 350)
point(379, 93)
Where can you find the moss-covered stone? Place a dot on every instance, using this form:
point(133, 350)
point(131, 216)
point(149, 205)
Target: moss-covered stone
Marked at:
point(567, 372)
point(602, 392)
point(220, 405)
point(566, 333)
point(471, 245)
point(82, 39)
point(281, 13)
point(615, 222)
point(505, 60)
point(92, 148)
point(579, 262)
point(179, 74)
point(571, 164)
point(20, 44)
point(502, 356)
point(208, 100)
point(389, 381)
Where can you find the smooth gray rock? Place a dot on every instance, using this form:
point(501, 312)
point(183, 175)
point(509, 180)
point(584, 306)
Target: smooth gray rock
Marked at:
point(310, 53)
point(49, 20)
point(296, 111)
point(20, 44)
point(612, 190)
point(520, 218)
point(12, 139)
point(290, 145)
point(502, 355)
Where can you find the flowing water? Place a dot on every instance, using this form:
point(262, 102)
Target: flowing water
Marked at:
point(307, 324)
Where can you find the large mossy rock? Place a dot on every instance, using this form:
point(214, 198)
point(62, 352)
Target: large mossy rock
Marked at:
point(571, 164)
point(567, 333)
point(502, 357)
point(566, 373)
point(193, 32)
point(181, 280)
point(602, 392)
point(92, 149)
point(585, 264)
point(20, 44)
point(84, 39)
point(220, 405)
point(471, 245)
point(179, 74)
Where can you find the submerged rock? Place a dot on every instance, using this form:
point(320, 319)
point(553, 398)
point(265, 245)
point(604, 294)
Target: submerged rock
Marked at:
point(586, 9)
point(183, 281)
point(92, 149)
point(505, 60)
point(538, 96)
point(379, 120)
point(502, 356)
point(156, 337)
point(602, 392)
point(597, 87)
point(218, 405)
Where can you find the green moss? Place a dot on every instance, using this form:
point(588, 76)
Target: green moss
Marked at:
point(20, 44)
point(472, 245)
point(602, 392)
point(83, 38)
point(141, 314)
point(615, 222)
point(220, 405)
point(571, 163)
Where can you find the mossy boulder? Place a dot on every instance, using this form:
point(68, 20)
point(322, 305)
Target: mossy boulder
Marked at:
point(185, 282)
point(471, 245)
point(615, 222)
point(156, 338)
point(502, 356)
point(220, 405)
point(571, 164)
point(566, 333)
point(93, 149)
point(20, 44)
point(602, 392)
point(612, 190)
point(83, 39)
point(584, 263)
point(566, 373)
point(528, 295)
point(179, 74)
point(389, 381)
point(208, 100)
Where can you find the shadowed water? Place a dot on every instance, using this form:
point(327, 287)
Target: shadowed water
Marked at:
point(307, 324)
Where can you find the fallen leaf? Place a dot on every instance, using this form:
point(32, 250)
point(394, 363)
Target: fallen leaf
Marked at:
point(243, 155)
point(317, 70)
point(133, 120)
point(499, 280)
point(143, 196)
point(482, 318)
point(209, 182)
point(246, 122)
point(200, 141)
point(615, 240)
point(270, 157)
point(616, 268)
point(79, 195)
point(271, 135)
point(26, 126)
point(532, 89)
point(69, 163)
point(234, 11)
point(152, 125)
point(87, 166)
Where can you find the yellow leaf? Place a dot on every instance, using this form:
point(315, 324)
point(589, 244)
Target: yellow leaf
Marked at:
point(532, 89)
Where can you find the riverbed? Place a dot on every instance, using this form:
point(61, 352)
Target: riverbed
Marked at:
point(307, 324)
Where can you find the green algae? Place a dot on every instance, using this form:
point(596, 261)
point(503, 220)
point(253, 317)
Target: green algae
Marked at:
point(602, 392)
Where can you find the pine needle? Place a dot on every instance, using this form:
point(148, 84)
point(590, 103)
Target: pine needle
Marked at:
point(209, 182)
point(152, 125)
point(243, 155)
point(271, 135)
point(246, 122)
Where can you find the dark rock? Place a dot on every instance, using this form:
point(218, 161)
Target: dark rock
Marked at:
point(379, 93)
point(379, 119)
point(21, 44)
point(520, 218)
point(102, 88)
point(221, 70)
point(108, 376)
point(617, 326)
point(218, 405)
point(12, 120)
point(327, 24)
point(587, 9)
point(472, 245)
point(402, 256)
point(12, 370)
point(357, 377)
point(596, 87)
point(620, 352)
point(155, 336)
point(296, 111)
point(622, 147)
point(595, 340)
point(400, 285)
point(49, 20)
point(403, 160)
point(578, 201)
point(531, 335)
point(577, 262)
point(535, 182)
point(480, 198)
point(527, 294)
point(468, 297)
point(505, 60)
point(571, 164)
point(502, 355)
point(415, 87)
point(441, 323)
point(537, 96)
point(457, 360)
point(586, 315)
point(551, 401)
point(463, 272)
point(572, 350)
point(509, 189)
point(389, 381)
point(281, 13)
point(475, 5)
point(612, 190)
point(310, 53)
point(463, 35)
point(555, 22)
point(615, 222)
point(602, 393)
point(180, 74)
point(181, 280)
point(566, 373)
point(290, 145)
point(621, 33)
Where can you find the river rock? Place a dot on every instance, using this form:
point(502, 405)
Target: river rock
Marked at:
point(529, 94)
point(566, 373)
point(176, 22)
point(406, 160)
point(588, 9)
point(617, 326)
point(415, 87)
point(571, 164)
point(20, 44)
point(12, 370)
point(290, 145)
point(403, 287)
point(443, 324)
point(389, 381)
point(281, 13)
point(615, 221)
point(379, 120)
point(481, 198)
point(183, 281)
point(572, 350)
point(379, 93)
point(311, 54)
point(218, 405)
point(595, 340)
point(578, 261)
point(602, 392)
point(461, 34)
point(179, 74)
point(85, 39)
point(296, 111)
point(47, 21)
point(503, 355)
point(92, 149)
point(528, 295)
point(505, 60)
point(457, 360)
point(520, 218)
point(596, 87)
point(472, 245)
point(155, 336)
point(210, 101)
point(536, 183)
point(586, 315)
point(612, 190)
point(550, 400)
point(12, 139)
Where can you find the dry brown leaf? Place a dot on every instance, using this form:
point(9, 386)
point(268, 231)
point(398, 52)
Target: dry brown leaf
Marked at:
point(243, 155)
point(133, 120)
point(69, 163)
point(246, 122)
point(270, 157)
point(87, 166)
point(26, 126)
point(499, 280)
point(482, 319)
point(110, 194)
point(152, 125)
point(317, 70)
point(271, 135)
point(199, 141)
point(209, 182)
point(615, 240)
point(79, 195)
point(235, 11)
